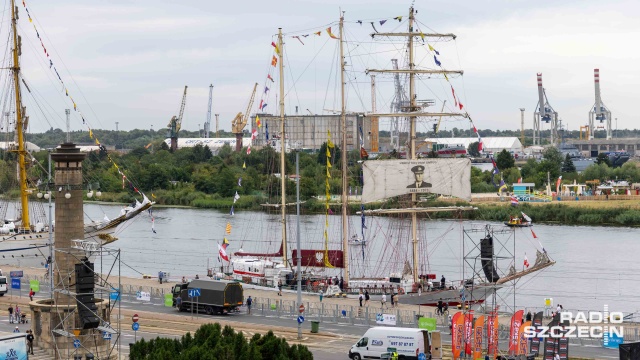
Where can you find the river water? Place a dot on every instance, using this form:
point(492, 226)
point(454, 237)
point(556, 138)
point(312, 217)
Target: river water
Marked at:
point(595, 265)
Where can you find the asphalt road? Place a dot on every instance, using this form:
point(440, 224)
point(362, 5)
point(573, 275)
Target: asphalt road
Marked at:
point(331, 350)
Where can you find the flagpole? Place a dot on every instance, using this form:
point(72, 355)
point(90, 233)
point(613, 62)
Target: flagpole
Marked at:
point(282, 152)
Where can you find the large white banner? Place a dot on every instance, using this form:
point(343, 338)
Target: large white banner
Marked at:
point(388, 178)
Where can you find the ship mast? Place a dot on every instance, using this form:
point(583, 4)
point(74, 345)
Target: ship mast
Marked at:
point(412, 113)
point(22, 170)
point(343, 121)
point(412, 129)
point(283, 205)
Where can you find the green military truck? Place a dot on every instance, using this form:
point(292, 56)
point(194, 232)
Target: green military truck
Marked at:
point(216, 296)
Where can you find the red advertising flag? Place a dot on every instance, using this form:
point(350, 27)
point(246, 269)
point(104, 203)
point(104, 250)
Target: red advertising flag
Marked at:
point(457, 335)
point(492, 335)
point(477, 337)
point(468, 332)
point(522, 340)
point(516, 321)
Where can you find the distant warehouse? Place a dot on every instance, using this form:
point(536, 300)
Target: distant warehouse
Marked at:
point(489, 144)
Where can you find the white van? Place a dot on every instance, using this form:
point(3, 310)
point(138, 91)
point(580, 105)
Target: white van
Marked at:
point(408, 342)
point(3, 284)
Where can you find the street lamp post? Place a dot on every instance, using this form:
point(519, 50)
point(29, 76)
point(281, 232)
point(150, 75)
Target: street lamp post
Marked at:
point(50, 260)
point(298, 253)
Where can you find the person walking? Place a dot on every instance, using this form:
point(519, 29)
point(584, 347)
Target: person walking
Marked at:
point(366, 298)
point(383, 301)
point(392, 300)
point(160, 277)
point(30, 341)
point(31, 294)
point(249, 303)
point(16, 314)
point(280, 288)
point(10, 314)
point(360, 298)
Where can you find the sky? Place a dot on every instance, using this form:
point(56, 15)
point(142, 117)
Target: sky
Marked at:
point(128, 62)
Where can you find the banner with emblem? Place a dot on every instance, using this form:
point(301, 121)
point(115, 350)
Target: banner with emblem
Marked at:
point(388, 178)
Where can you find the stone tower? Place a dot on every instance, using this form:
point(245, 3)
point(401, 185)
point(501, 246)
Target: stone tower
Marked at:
point(56, 323)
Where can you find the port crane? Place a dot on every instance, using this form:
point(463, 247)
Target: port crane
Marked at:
point(176, 122)
point(240, 121)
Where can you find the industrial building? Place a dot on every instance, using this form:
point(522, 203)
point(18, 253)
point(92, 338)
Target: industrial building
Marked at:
point(309, 132)
point(490, 144)
point(591, 148)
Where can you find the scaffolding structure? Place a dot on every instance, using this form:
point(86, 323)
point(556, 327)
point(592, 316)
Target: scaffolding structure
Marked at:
point(500, 298)
point(67, 326)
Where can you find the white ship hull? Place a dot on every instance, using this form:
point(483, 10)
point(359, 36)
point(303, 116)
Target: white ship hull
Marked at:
point(32, 249)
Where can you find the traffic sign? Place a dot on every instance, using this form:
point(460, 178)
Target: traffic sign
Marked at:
point(135, 318)
point(76, 343)
point(301, 309)
point(106, 335)
point(194, 292)
point(135, 326)
point(16, 274)
point(422, 356)
point(15, 283)
point(300, 319)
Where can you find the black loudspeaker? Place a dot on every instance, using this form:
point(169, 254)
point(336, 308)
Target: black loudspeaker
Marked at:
point(629, 351)
point(85, 295)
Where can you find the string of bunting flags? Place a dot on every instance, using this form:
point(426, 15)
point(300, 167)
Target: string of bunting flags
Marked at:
point(52, 66)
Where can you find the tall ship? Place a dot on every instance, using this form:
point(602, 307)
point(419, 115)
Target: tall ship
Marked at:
point(412, 181)
point(385, 260)
point(27, 229)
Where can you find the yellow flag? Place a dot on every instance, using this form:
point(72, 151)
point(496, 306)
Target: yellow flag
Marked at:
point(326, 260)
point(244, 165)
point(431, 47)
point(422, 36)
point(90, 133)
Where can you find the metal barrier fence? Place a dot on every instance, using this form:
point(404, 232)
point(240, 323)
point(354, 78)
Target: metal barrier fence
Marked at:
point(351, 314)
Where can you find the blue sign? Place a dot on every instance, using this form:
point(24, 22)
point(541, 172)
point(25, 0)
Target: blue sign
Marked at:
point(422, 356)
point(15, 283)
point(114, 295)
point(76, 343)
point(16, 274)
point(106, 335)
point(300, 319)
point(194, 292)
point(613, 341)
point(135, 326)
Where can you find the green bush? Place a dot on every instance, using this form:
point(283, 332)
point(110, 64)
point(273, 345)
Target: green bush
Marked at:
point(212, 342)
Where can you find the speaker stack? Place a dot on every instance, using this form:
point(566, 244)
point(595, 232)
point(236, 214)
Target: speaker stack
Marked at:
point(85, 295)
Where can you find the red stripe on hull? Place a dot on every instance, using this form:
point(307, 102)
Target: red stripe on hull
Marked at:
point(238, 272)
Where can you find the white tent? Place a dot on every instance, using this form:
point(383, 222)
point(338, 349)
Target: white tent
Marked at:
point(214, 144)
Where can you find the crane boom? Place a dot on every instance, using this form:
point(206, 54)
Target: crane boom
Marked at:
point(176, 122)
point(240, 121)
